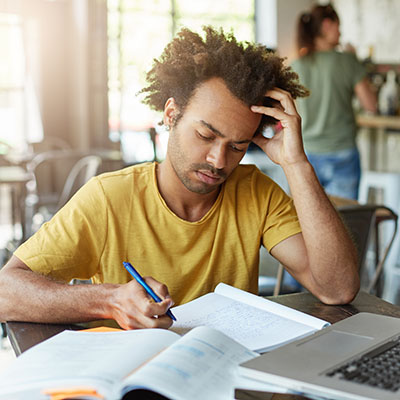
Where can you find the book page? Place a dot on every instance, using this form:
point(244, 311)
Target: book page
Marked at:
point(271, 306)
point(201, 365)
point(75, 358)
point(253, 327)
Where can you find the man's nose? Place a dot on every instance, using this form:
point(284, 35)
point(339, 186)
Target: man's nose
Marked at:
point(217, 156)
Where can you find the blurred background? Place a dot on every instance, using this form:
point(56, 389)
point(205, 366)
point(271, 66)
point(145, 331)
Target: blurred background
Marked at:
point(70, 71)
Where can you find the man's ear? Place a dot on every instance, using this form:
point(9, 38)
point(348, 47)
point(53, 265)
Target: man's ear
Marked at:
point(170, 112)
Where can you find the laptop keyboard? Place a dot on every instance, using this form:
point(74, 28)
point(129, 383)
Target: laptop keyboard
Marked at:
point(379, 368)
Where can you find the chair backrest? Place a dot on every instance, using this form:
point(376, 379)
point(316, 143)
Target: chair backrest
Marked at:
point(56, 175)
point(360, 221)
point(80, 173)
point(363, 223)
point(49, 172)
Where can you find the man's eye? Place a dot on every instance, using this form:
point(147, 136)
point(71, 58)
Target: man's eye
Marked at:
point(204, 137)
point(234, 148)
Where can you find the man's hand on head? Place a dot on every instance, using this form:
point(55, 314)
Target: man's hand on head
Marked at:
point(286, 146)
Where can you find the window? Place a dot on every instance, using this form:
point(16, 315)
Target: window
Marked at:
point(19, 111)
point(138, 31)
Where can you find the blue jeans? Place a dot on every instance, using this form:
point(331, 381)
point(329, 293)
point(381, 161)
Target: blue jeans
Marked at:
point(338, 172)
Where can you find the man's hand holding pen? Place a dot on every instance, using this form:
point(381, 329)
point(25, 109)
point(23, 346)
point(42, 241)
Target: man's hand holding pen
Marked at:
point(133, 307)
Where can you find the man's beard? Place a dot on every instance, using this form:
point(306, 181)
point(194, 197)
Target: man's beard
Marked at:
point(200, 187)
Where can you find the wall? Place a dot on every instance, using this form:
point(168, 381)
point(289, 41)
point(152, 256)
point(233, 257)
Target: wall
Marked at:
point(288, 13)
point(276, 24)
point(366, 23)
point(361, 25)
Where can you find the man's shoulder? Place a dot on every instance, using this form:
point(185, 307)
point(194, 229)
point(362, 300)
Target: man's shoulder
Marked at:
point(129, 175)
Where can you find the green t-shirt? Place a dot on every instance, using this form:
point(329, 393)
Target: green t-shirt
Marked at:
point(328, 120)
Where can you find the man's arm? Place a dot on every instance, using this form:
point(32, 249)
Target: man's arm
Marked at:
point(28, 296)
point(322, 258)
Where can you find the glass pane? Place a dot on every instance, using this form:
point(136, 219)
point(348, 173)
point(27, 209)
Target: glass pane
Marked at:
point(112, 5)
point(241, 30)
point(141, 43)
point(148, 6)
point(113, 21)
point(225, 8)
point(12, 65)
point(138, 32)
point(12, 117)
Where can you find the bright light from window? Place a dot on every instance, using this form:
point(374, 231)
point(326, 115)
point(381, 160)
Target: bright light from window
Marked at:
point(19, 110)
point(138, 31)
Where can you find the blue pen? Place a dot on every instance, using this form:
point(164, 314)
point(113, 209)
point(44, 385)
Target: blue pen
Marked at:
point(129, 267)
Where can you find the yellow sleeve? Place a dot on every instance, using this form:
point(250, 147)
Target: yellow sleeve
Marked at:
point(70, 245)
point(279, 216)
point(281, 222)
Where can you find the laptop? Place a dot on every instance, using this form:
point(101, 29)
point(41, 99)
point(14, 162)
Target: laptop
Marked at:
point(357, 358)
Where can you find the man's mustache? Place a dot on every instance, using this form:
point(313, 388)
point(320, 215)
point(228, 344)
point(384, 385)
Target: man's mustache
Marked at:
point(207, 167)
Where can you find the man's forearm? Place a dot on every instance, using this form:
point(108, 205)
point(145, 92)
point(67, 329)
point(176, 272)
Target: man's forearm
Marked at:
point(332, 256)
point(27, 296)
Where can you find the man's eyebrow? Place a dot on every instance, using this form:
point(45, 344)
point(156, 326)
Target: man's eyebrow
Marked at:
point(211, 128)
point(218, 133)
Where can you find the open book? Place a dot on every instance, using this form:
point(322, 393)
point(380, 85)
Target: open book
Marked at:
point(200, 365)
point(251, 320)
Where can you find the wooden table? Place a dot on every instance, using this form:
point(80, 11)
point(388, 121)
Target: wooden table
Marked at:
point(24, 335)
point(379, 121)
point(377, 127)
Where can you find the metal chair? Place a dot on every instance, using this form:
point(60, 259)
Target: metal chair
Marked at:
point(80, 173)
point(363, 223)
point(55, 177)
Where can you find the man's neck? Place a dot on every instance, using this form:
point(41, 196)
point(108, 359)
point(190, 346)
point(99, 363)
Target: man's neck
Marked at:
point(182, 202)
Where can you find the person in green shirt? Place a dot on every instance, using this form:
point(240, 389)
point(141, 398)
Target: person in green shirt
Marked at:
point(328, 121)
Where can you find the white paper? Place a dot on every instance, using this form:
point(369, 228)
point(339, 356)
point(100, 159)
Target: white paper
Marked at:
point(256, 323)
point(271, 306)
point(201, 365)
point(95, 359)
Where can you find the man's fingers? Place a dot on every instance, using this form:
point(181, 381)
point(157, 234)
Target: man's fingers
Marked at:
point(147, 314)
point(260, 140)
point(284, 98)
point(144, 322)
point(134, 308)
point(149, 308)
point(159, 288)
point(271, 111)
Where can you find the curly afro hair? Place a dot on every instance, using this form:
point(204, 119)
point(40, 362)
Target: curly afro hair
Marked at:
point(249, 70)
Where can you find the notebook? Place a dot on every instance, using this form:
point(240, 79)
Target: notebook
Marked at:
point(357, 358)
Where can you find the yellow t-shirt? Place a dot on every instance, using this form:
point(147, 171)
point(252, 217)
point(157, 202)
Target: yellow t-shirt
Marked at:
point(121, 216)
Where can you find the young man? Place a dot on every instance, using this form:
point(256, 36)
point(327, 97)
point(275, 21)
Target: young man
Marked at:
point(197, 218)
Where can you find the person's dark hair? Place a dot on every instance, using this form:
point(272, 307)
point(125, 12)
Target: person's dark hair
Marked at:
point(248, 70)
point(309, 27)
